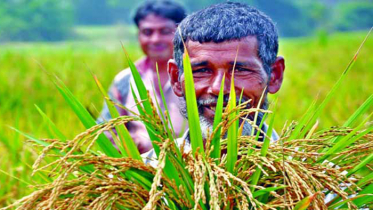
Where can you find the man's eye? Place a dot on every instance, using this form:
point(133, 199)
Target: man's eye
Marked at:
point(201, 73)
point(166, 31)
point(240, 70)
point(147, 32)
point(203, 70)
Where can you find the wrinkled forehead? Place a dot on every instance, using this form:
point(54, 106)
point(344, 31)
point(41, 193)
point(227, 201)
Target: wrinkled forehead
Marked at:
point(244, 47)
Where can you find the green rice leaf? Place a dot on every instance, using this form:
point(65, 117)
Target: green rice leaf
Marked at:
point(217, 119)
point(51, 126)
point(266, 190)
point(149, 127)
point(336, 205)
point(165, 127)
point(87, 169)
point(364, 199)
point(172, 172)
point(360, 111)
point(138, 104)
point(164, 101)
point(180, 166)
point(267, 139)
point(192, 109)
point(263, 151)
point(102, 141)
point(363, 163)
point(303, 121)
point(232, 152)
point(140, 86)
point(347, 140)
point(365, 180)
point(251, 150)
point(145, 102)
point(305, 202)
point(124, 140)
point(36, 140)
point(261, 126)
point(257, 112)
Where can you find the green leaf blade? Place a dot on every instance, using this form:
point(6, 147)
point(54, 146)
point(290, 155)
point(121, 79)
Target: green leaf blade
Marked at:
point(217, 120)
point(125, 142)
point(232, 152)
point(103, 142)
point(192, 109)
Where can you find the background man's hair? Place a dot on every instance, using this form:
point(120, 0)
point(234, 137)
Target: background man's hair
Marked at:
point(164, 8)
point(228, 21)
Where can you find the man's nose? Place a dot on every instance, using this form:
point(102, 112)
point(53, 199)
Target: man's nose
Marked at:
point(155, 37)
point(216, 83)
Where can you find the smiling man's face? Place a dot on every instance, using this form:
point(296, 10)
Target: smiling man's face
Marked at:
point(155, 36)
point(211, 61)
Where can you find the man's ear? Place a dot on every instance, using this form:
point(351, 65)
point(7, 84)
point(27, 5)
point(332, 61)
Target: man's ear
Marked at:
point(278, 68)
point(173, 72)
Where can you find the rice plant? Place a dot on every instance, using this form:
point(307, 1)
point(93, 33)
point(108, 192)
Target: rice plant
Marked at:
point(305, 168)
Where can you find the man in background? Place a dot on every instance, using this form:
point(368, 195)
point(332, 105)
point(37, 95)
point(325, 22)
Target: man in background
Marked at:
point(156, 22)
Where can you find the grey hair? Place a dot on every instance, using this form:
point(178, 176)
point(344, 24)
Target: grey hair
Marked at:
point(225, 22)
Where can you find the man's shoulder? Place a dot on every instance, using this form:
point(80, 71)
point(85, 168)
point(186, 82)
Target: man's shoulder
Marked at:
point(122, 75)
point(126, 73)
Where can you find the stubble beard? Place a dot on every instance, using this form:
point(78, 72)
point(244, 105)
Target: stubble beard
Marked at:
point(207, 126)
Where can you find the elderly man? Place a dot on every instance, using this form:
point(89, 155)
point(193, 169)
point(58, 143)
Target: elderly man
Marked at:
point(214, 38)
point(157, 22)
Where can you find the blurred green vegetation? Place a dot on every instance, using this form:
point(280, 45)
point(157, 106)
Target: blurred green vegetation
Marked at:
point(28, 20)
point(354, 16)
point(24, 84)
point(49, 20)
point(313, 65)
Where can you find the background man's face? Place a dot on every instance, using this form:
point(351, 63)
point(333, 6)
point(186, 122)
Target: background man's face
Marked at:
point(210, 61)
point(155, 36)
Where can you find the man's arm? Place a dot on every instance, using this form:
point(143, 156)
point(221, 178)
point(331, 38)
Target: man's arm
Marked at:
point(119, 92)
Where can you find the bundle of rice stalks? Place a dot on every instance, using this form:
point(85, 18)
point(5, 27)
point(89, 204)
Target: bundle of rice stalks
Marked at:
point(305, 168)
point(291, 171)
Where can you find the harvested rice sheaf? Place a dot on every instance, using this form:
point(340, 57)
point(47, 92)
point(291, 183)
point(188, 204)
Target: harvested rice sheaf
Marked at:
point(290, 171)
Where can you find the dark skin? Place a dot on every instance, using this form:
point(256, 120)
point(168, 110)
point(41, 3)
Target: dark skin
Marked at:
point(210, 61)
point(155, 36)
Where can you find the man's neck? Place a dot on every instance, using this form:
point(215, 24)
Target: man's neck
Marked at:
point(162, 69)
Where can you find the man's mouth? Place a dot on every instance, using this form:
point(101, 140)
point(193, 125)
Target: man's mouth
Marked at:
point(157, 47)
point(212, 106)
point(207, 106)
point(208, 112)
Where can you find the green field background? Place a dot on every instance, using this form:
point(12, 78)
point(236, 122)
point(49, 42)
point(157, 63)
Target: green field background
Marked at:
point(313, 65)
